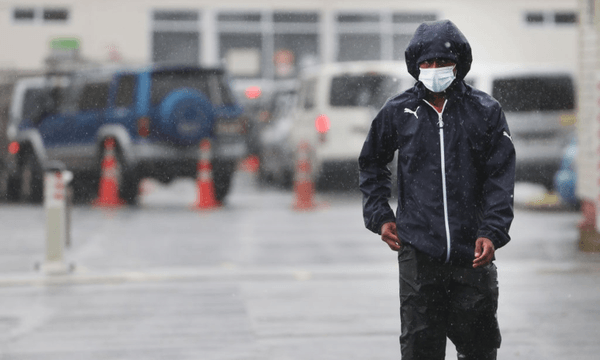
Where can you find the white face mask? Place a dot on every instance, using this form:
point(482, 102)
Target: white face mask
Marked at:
point(437, 79)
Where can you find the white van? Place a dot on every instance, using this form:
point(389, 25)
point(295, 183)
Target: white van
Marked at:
point(335, 107)
point(539, 104)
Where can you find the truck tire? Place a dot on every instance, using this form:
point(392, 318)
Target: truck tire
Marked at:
point(12, 189)
point(222, 174)
point(186, 117)
point(127, 179)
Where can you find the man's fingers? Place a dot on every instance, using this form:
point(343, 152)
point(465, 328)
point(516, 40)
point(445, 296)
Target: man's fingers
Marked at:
point(392, 241)
point(394, 245)
point(390, 236)
point(478, 246)
point(487, 252)
point(484, 253)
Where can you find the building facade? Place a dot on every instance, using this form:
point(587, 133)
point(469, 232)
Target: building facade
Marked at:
point(273, 39)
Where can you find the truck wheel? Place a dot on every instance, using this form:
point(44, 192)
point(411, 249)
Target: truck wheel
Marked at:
point(32, 180)
point(222, 173)
point(128, 180)
point(85, 187)
point(12, 189)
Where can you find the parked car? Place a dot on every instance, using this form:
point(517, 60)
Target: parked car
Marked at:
point(157, 116)
point(539, 104)
point(335, 107)
point(276, 152)
point(565, 179)
point(7, 84)
point(26, 97)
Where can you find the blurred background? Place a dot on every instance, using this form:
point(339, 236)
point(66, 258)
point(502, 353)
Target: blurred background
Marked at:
point(533, 56)
point(527, 54)
point(130, 88)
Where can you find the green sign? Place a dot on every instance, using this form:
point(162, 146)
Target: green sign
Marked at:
point(65, 44)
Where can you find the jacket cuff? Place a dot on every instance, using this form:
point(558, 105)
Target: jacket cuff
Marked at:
point(498, 243)
point(385, 221)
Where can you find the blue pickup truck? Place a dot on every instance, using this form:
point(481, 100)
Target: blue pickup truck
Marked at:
point(156, 115)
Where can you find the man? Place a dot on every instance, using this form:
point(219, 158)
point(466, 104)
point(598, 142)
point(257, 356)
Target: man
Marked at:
point(456, 165)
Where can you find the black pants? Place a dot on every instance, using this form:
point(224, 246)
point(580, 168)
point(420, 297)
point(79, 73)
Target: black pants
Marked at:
point(439, 300)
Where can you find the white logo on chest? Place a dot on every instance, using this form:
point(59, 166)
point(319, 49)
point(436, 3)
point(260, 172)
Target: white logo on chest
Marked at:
point(407, 110)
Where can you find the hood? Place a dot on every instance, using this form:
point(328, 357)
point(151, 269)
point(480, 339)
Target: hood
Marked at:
point(439, 39)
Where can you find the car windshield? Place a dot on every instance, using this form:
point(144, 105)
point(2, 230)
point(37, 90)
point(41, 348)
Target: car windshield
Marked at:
point(535, 93)
point(212, 84)
point(369, 90)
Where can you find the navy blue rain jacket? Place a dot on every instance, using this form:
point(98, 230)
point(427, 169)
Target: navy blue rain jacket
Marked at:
point(455, 171)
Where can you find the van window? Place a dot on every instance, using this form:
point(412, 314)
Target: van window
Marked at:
point(93, 97)
point(535, 93)
point(362, 90)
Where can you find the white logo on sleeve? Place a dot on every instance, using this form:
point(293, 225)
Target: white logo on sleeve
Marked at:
point(407, 110)
point(508, 136)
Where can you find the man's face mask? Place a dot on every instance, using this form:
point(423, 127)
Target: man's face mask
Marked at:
point(437, 79)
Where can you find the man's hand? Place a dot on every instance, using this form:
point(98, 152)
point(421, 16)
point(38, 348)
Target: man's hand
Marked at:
point(484, 252)
point(390, 236)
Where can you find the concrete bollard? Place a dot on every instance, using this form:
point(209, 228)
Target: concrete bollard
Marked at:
point(56, 179)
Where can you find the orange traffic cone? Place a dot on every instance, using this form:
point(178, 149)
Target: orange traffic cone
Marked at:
point(206, 198)
point(108, 189)
point(303, 184)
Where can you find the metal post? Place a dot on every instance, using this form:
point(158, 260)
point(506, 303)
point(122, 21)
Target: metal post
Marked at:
point(55, 203)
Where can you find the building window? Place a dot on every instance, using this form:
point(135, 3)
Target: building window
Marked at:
point(243, 53)
point(176, 16)
point(296, 17)
point(358, 47)
point(296, 42)
point(536, 18)
point(565, 18)
point(359, 36)
point(358, 18)
point(376, 36)
point(404, 26)
point(400, 44)
point(24, 14)
point(56, 15)
point(267, 44)
point(414, 18)
point(176, 36)
point(240, 17)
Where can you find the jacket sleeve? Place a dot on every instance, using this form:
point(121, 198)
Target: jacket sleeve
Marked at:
point(374, 175)
point(498, 183)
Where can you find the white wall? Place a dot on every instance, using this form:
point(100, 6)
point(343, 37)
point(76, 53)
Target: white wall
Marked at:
point(496, 29)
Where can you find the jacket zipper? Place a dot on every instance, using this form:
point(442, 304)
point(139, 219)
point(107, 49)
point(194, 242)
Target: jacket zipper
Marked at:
point(443, 167)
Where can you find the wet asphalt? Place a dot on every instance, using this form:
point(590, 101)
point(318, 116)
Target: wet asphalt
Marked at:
point(259, 280)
